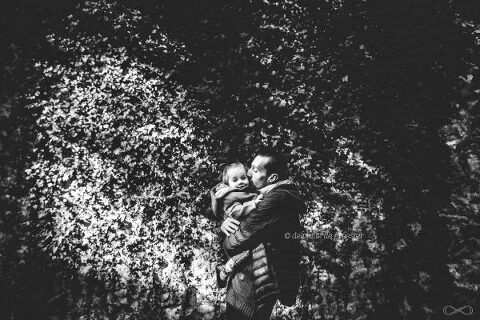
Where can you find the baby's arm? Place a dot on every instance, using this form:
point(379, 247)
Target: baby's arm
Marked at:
point(240, 210)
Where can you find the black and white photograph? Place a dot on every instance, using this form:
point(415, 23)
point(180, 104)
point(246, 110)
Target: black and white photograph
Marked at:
point(239, 160)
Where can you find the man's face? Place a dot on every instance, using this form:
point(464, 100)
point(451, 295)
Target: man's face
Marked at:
point(257, 172)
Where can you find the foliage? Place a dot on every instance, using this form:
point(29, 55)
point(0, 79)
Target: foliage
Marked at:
point(119, 163)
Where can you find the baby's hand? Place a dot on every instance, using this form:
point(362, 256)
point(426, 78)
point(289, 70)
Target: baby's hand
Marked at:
point(258, 198)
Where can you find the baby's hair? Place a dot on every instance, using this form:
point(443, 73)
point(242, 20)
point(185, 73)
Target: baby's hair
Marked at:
point(228, 167)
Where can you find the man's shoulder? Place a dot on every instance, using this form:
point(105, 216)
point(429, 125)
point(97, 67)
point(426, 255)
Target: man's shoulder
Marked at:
point(285, 191)
point(288, 196)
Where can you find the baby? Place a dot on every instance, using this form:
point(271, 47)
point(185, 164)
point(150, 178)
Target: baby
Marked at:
point(234, 198)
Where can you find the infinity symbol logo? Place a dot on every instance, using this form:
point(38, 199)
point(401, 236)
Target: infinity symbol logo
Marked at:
point(465, 310)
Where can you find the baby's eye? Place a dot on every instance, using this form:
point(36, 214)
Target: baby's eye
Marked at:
point(234, 179)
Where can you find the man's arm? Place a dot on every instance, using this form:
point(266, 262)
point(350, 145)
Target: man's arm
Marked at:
point(258, 226)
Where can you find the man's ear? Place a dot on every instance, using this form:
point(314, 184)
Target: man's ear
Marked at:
point(273, 178)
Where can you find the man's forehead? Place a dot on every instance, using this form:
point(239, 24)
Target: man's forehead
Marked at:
point(259, 162)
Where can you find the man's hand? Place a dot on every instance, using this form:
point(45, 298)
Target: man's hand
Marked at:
point(230, 225)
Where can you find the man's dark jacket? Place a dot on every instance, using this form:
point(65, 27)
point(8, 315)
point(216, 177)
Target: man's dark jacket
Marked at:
point(273, 270)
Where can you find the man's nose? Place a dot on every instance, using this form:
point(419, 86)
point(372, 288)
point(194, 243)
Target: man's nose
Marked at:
point(249, 172)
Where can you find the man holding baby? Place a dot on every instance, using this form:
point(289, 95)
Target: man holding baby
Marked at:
point(271, 272)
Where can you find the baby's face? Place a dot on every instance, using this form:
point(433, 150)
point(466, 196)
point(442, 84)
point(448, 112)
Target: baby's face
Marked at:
point(237, 177)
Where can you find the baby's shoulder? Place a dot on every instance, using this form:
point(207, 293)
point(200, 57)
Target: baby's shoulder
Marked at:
point(221, 190)
point(236, 195)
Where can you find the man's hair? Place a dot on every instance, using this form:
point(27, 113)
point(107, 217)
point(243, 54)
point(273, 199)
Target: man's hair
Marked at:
point(277, 163)
point(228, 167)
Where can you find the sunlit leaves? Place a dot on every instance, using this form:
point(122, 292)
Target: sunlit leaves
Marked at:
point(118, 145)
